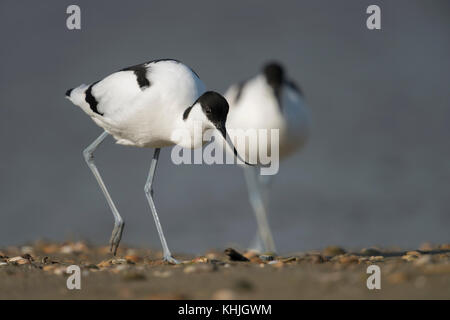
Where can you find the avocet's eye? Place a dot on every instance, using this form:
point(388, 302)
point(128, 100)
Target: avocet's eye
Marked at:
point(208, 110)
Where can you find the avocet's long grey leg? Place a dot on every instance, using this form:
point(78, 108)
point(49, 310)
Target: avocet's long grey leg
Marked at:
point(149, 193)
point(258, 196)
point(88, 154)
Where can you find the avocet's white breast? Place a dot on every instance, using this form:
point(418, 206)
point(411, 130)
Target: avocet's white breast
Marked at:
point(255, 106)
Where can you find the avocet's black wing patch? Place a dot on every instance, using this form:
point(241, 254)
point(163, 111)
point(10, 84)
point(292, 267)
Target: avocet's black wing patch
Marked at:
point(90, 99)
point(140, 70)
point(186, 112)
point(68, 92)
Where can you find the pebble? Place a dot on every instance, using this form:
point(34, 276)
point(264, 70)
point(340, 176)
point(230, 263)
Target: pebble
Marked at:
point(266, 257)
point(411, 256)
point(49, 268)
point(234, 255)
point(251, 254)
point(316, 259)
point(132, 258)
point(27, 256)
point(77, 247)
point(289, 259)
point(119, 261)
point(19, 260)
point(364, 259)
point(60, 271)
point(371, 252)
point(333, 251)
point(50, 248)
point(212, 256)
point(224, 294)
point(216, 262)
point(66, 249)
point(200, 260)
point(104, 264)
point(26, 250)
point(376, 258)
point(349, 259)
point(414, 253)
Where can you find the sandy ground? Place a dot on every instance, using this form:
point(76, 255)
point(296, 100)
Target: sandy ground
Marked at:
point(38, 271)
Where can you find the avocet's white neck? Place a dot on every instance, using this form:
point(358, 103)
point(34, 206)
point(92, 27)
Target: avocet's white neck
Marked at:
point(190, 127)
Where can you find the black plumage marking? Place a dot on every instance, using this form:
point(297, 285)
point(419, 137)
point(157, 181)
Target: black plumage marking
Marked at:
point(274, 74)
point(214, 106)
point(186, 112)
point(240, 86)
point(90, 99)
point(140, 70)
point(68, 92)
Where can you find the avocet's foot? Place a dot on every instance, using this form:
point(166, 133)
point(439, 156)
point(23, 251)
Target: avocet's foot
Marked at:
point(171, 260)
point(116, 236)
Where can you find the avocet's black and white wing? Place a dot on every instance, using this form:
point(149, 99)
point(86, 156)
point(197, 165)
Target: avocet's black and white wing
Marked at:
point(123, 99)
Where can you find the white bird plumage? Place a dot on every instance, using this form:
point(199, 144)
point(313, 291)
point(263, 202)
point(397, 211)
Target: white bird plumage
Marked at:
point(148, 105)
point(143, 116)
point(268, 101)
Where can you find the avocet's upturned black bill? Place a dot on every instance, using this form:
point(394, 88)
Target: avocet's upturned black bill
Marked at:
point(148, 105)
point(269, 100)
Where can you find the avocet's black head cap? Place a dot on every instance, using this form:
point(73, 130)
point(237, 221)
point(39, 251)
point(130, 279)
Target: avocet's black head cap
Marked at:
point(274, 74)
point(215, 107)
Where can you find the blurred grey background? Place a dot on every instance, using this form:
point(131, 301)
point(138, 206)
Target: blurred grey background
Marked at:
point(375, 172)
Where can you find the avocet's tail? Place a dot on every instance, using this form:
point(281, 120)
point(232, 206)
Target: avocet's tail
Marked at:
point(77, 95)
